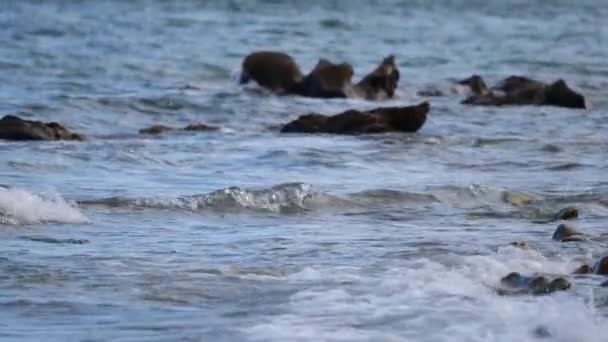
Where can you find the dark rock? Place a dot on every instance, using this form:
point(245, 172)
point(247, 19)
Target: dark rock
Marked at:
point(380, 83)
point(516, 284)
point(15, 128)
point(520, 244)
point(199, 127)
point(566, 233)
point(383, 119)
point(157, 129)
point(475, 83)
point(568, 213)
point(559, 94)
point(559, 284)
point(583, 269)
point(604, 284)
point(160, 129)
point(601, 266)
point(541, 331)
point(327, 80)
point(276, 71)
point(518, 90)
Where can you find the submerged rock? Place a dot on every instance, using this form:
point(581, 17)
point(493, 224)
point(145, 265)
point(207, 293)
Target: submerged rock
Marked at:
point(379, 120)
point(15, 128)
point(519, 90)
point(567, 233)
point(516, 284)
point(160, 129)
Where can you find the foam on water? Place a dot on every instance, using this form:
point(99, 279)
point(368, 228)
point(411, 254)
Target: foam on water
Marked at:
point(18, 206)
point(432, 300)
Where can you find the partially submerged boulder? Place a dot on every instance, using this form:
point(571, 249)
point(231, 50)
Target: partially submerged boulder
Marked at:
point(517, 284)
point(601, 266)
point(14, 128)
point(327, 80)
point(160, 129)
point(379, 120)
point(381, 82)
point(583, 269)
point(274, 70)
point(519, 90)
point(280, 73)
point(567, 233)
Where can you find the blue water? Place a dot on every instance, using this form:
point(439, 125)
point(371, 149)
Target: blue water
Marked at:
point(249, 235)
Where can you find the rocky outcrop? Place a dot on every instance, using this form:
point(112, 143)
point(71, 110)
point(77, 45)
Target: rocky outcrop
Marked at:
point(519, 90)
point(379, 120)
point(279, 72)
point(14, 128)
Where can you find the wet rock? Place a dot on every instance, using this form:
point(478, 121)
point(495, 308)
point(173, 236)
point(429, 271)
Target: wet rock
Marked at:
point(161, 129)
point(14, 128)
point(601, 266)
point(518, 90)
point(475, 83)
point(583, 269)
point(541, 331)
point(274, 70)
point(379, 120)
point(568, 213)
point(279, 72)
point(327, 80)
point(567, 233)
point(520, 244)
point(516, 284)
point(380, 83)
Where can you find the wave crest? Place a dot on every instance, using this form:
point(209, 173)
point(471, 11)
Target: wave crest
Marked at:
point(19, 206)
point(282, 198)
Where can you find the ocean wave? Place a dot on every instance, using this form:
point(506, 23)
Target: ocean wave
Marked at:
point(18, 206)
point(282, 198)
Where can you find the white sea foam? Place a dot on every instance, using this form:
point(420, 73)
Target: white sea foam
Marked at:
point(431, 300)
point(19, 206)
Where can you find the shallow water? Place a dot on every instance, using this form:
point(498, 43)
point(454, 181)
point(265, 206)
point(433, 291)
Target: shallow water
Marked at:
point(246, 234)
